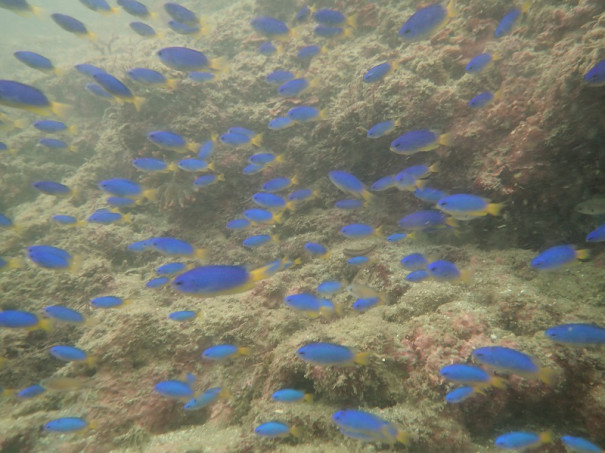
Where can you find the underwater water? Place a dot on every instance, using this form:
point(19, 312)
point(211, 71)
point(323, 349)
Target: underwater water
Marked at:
point(278, 225)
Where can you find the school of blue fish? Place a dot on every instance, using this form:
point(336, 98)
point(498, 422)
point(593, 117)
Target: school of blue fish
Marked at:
point(445, 211)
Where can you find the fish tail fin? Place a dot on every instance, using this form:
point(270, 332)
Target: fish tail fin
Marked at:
point(205, 27)
point(200, 254)
point(279, 158)
point(296, 431)
point(138, 103)
point(20, 124)
point(219, 65)
point(352, 21)
point(15, 263)
point(75, 265)
point(127, 218)
point(548, 376)
point(402, 437)
point(362, 358)
point(225, 394)
point(73, 129)
point(150, 194)
point(583, 254)
point(59, 109)
point(435, 168)
point(450, 221)
point(153, 15)
point(278, 218)
point(243, 350)
point(367, 195)
point(93, 424)
point(526, 5)
point(494, 208)
point(421, 183)
point(323, 114)
point(445, 139)
point(451, 9)
point(192, 146)
point(8, 392)
point(261, 273)
point(308, 398)
point(36, 11)
point(466, 275)
point(545, 437)
point(496, 57)
point(220, 177)
point(45, 324)
point(171, 84)
point(347, 33)
point(498, 95)
point(378, 232)
point(91, 360)
point(294, 180)
point(72, 148)
point(160, 34)
point(172, 166)
point(257, 140)
point(115, 11)
point(92, 36)
point(498, 382)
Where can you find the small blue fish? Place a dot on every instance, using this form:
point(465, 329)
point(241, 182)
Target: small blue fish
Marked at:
point(88, 69)
point(270, 201)
point(31, 392)
point(50, 257)
point(365, 303)
point(577, 334)
point(349, 204)
point(98, 91)
point(416, 141)
point(257, 215)
point(20, 7)
point(308, 52)
point(184, 29)
point(181, 14)
point(66, 425)
point(238, 224)
point(267, 48)
point(480, 62)
point(142, 29)
point(397, 237)
point(276, 429)
point(327, 16)
point(279, 77)
point(426, 21)
point(206, 398)
point(6, 222)
point(482, 99)
point(207, 180)
point(377, 73)
point(17, 319)
point(278, 184)
point(459, 395)
point(69, 353)
point(73, 25)
point(331, 354)
point(201, 76)
point(316, 249)
point(175, 247)
point(171, 140)
point(35, 61)
point(356, 230)
point(424, 221)
point(303, 14)
point(291, 396)
point(301, 195)
point(52, 126)
point(99, 6)
point(430, 194)
point(182, 316)
point(224, 351)
point(157, 282)
point(509, 360)
point(349, 183)
point(309, 304)
point(108, 302)
point(470, 375)
point(140, 246)
point(597, 235)
point(327, 31)
point(106, 217)
point(305, 113)
point(174, 389)
point(293, 87)
point(150, 77)
point(236, 139)
point(381, 129)
point(446, 271)
point(329, 287)
point(193, 165)
point(64, 314)
point(171, 268)
point(265, 159)
point(358, 260)
point(596, 75)
point(282, 122)
point(185, 59)
point(21, 96)
point(414, 261)
point(149, 164)
point(580, 445)
point(384, 183)
point(270, 26)
point(54, 143)
point(557, 257)
point(417, 276)
point(116, 88)
point(206, 150)
point(52, 188)
point(510, 19)
point(136, 8)
point(468, 207)
point(369, 427)
point(522, 441)
point(120, 202)
point(257, 240)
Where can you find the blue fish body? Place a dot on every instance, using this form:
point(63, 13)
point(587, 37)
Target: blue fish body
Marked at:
point(597, 235)
point(459, 395)
point(183, 59)
point(113, 86)
point(134, 8)
point(148, 76)
point(349, 204)
point(328, 31)
point(481, 100)
point(31, 392)
point(329, 287)
point(508, 22)
point(596, 75)
point(206, 398)
point(142, 29)
point(65, 219)
point(192, 165)
point(69, 24)
point(478, 63)
point(414, 261)
point(365, 303)
point(220, 352)
point(183, 29)
point(170, 268)
point(521, 441)
point(381, 129)
point(50, 126)
point(424, 22)
point(256, 241)
point(88, 69)
point(300, 195)
point(577, 334)
point(238, 224)
point(580, 445)
point(66, 425)
point(443, 270)
point(167, 139)
point(234, 139)
point(465, 374)
point(384, 183)
point(149, 164)
point(212, 280)
point(288, 395)
point(34, 60)
point(182, 316)
point(181, 14)
point(414, 141)
point(157, 282)
point(64, 314)
point(269, 26)
point(303, 113)
point(174, 389)
point(315, 248)
point(282, 122)
point(106, 302)
point(98, 91)
point(279, 77)
point(20, 95)
point(330, 354)
point(329, 17)
point(377, 73)
point(417, 276)
point(357, 230)
point(68, 353)
point(269, 200)
point(430, 195)
point(49, 257)
point(556, 257)
point(506, 359)
point(277, 184)
point(206, 180)
point(308, 52)
point(267, 48)
point(104, 217)
point(121, 187)
point(396, 237)
point(120, 202)
point(172, 246)
point(303, 14)
point(17, 319)
point(53, 143)
point(257, 215)
point(293, 87)
point(272, 429)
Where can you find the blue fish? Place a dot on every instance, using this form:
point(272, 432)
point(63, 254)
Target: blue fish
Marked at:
point(279, 77)
point(31, 392)
point(397, 237)
point(480, 62)
point(276, 429)
point(597, 235)
point(414, 261)
point(136, 8)
point(310, 304)
point(206, 398)
point(510, 19)
point(349, 183)
point(65, 219)
point(185, 59)
point(365, 303)
point(207, 180)
point(270, 201)
point(150, 77)
point(327, 16)
point(257, 215)
point(468, 206)
point(88, 69)
point(305, 113)
point(182, 316)
point(327, 31)
point(430, 194)
point(206, 150)
point(35, 61)
point(174, 389)
point(308, 52)
point(443, 270)
point(54, 143)
point(265, 159)
point(417, 276)
point(181, 14)
point(184, 29)
point(52, 126)
point(216, 280)
point(577, 334)
point(157, 282)
point(67, 425)
point(99, 6)
point(142, 29)
point(270, 26)
point(470, 375)
point(171, 268)
point(301, 195)
point(257, 240)
point(121, 187)
point(416, 141)
point(282, 122)
point(427, 21)
point(357, 230)
point(291, 396)
point(459, 395)
point(64, 314)
point(596, 75)
point(317, 249)
point(238, 224)
point(120, 202)
point(267, 48)
point(21, 96)
point(224, 351)
point(580, 445)
point(384, 183)
point(98, 91)
point(303, 14)
point(21, 7)
point(358, 260)
point(70, 354)
point(116, 88)
point(50, 257)
point(18, 319)
point(193, 165)
point(425, 220)
point(149, 164)
point(73, 25)
point(200, 76)
point(293, 87)
point(482, 99)
point(171, 140)
point(329, 287)
point(509, 360)
point(378, 72)
point(557, 257)
point(366, 426)
point(381, 129)
point(108, 302)
point(175, 247)
point(106, 217)
point(522, 441)
point(278, 184)
point(331, 354)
